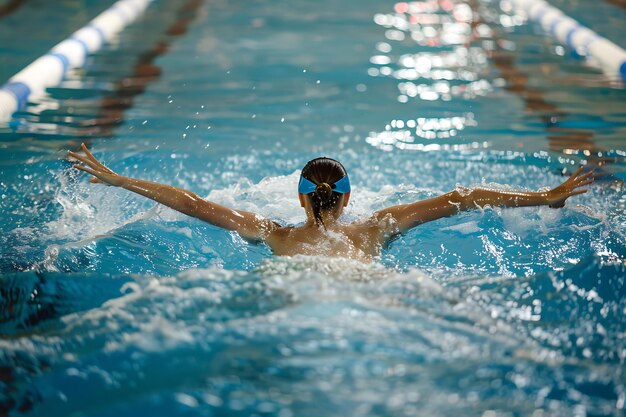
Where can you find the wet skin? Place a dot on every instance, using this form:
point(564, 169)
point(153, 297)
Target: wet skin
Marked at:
point(361, 240)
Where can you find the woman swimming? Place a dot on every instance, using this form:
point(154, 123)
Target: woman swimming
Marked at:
point(323, 191)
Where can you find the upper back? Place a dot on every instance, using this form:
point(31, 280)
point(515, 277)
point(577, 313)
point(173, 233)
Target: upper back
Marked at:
point(360, 240)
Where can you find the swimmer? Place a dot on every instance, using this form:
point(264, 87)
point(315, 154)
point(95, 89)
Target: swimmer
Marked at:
point(323, 192)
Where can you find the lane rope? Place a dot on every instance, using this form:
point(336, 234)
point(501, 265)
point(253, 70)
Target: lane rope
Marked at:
point(610, 57)
point(51, 68)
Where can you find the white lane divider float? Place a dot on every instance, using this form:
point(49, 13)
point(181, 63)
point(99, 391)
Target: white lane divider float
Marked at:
point(585, 42)
point(50, 69)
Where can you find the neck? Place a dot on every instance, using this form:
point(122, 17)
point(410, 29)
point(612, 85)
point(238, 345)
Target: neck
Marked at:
point(328, 218)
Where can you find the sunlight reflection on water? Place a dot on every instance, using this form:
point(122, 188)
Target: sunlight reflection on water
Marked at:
point(110, 305)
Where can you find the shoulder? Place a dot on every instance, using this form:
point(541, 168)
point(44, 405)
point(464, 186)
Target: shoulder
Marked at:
point(378, 227)
point(280, 233)
point(283, 240)
point(378, 221)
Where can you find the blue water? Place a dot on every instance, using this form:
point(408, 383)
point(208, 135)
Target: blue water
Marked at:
point(111, 305)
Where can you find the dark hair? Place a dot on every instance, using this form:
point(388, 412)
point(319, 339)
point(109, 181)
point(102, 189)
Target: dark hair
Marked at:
point(323, 172)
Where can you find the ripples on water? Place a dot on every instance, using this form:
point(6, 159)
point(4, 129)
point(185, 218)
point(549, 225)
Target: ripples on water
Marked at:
point(111, 306)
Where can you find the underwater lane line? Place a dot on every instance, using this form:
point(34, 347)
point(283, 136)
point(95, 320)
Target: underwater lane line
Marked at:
point(111, 107)
point(517, 82)
point(10, 7)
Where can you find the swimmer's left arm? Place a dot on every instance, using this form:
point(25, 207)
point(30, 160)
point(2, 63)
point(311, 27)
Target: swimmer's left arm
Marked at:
point(248, 225)
point(408, 216)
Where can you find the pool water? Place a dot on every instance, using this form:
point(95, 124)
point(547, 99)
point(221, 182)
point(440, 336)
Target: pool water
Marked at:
point(111, 305)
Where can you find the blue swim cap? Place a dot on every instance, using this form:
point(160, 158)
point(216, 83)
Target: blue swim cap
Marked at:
point(342, 186)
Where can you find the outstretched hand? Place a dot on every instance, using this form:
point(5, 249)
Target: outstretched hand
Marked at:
point(101, 174)
point(571, 186)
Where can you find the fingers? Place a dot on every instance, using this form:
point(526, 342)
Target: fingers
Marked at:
point(576, 173)
point(101, 174)
point(576, 180)
point(584, 179)
point(93, 158)
point(89, 160)
point(84, 168)
point(588, 177)
point(577, 192)
point(582, 184)
point(92, 169)
point(89, 154)
point(86, 150)
point(80, 158)
point(587, 174)
point(84, 160)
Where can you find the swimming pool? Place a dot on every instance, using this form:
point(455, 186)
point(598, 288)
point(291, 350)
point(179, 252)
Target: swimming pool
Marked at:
point(112, 306)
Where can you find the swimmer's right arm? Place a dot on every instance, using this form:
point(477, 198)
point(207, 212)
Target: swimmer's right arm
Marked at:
point(408, 216)
point(248, 225)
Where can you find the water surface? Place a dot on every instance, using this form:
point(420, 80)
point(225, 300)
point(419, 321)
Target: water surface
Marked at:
point(110, 305)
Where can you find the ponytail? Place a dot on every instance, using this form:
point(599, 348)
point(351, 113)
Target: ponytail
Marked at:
point(323, 199)
point(323, 172)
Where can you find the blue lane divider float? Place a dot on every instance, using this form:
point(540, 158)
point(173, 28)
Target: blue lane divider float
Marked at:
point(585, 42)
point(50, 69)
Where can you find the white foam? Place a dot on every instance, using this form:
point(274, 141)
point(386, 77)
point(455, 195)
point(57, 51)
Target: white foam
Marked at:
point(277, 198)
point(466, 228)
point(88, 210)
point(157, 335)
point(523, 221)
